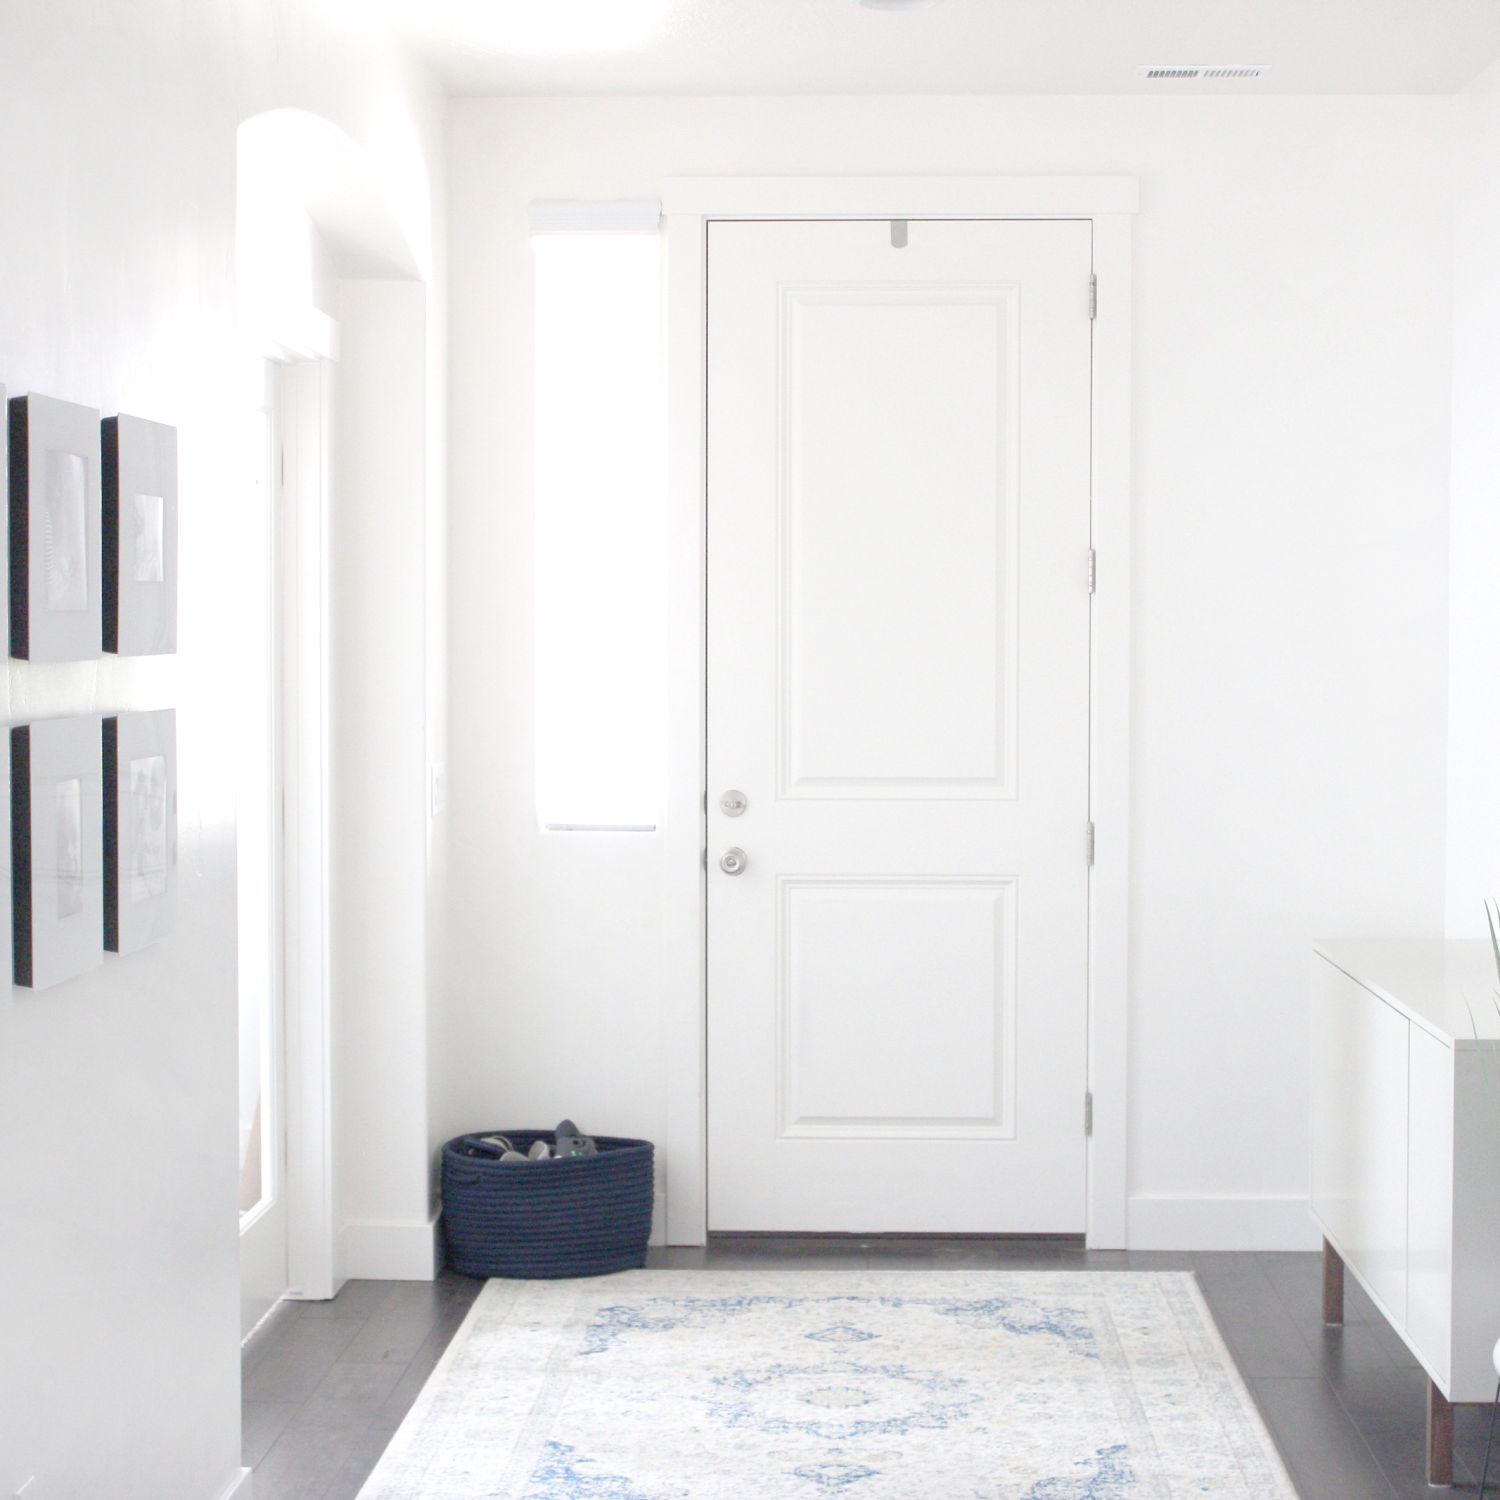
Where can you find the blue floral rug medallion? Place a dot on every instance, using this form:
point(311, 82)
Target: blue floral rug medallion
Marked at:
point(800, 1385)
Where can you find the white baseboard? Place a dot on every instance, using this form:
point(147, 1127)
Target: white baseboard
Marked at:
point(392, 1252)
point(238, 1488)
point(413, 1252)
point(1221, 1223)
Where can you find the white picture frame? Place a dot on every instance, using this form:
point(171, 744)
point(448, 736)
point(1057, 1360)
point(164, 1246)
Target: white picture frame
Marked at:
point(140, 829)
point(56, 588)
point(57, 864)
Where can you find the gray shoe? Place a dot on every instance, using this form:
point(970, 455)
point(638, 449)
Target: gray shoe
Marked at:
point(571, 1142)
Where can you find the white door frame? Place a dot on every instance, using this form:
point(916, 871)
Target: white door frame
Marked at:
point(689, 205)
point(306, 754)
point(263, 1228)
point(303, 1086)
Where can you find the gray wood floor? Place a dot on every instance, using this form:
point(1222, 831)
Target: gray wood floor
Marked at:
point(327, 1383)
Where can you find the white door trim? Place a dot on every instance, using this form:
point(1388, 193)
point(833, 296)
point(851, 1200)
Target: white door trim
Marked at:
point(689, 204)
point(312, 1272)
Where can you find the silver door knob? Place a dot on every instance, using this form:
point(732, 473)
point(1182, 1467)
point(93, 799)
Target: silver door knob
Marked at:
point(732, 804)
point(733, 861)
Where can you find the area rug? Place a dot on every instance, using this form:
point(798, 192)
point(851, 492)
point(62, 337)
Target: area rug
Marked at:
point(800, 1385)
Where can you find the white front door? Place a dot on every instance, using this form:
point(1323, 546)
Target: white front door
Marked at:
point(898, 669)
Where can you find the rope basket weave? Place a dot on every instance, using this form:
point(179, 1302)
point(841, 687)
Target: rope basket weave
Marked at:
point(578, 1216)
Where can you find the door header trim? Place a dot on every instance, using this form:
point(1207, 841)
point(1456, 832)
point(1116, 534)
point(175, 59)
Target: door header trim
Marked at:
point(900, 197)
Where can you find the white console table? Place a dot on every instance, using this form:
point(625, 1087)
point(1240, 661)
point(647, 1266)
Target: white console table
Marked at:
point(1405, 1088)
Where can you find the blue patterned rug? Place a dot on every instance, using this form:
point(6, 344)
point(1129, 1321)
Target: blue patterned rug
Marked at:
point(804, 1385)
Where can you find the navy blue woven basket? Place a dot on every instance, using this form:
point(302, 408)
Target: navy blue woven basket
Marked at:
point(580, 1216)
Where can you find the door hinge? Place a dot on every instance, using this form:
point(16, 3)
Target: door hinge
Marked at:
point(1093, 570)
point(1093, 297)
point(705, 859)
point(1088, 840)
point(1088, 1112)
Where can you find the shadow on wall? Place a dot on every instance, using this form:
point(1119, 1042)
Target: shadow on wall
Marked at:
point(302, 183)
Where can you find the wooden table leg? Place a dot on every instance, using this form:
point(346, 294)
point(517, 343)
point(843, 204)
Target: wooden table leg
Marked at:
point(1439, 1437)
point(1333, 1285)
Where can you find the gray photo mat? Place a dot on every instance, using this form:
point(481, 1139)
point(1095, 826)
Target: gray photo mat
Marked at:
point(57, 846)
point(56, 584)
point(140, 870)
point(140, 537)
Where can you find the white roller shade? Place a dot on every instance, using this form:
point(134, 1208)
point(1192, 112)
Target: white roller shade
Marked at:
point(601, 548)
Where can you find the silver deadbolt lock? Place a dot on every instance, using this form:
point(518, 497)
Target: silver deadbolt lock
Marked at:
point(733, 861)
point(732, 804)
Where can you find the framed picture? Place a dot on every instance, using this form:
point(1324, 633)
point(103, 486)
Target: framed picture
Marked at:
point(140, 829)
point(5, 469)
point(55, 585)
point(56, 850)
point(140, 536)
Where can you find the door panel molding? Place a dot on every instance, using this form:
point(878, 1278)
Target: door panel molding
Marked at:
point(690, 205)
point(998, 893)
point(986, 769)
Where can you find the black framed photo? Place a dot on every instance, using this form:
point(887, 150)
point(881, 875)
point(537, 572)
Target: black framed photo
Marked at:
point(140, 536)
point(56, 840)
point(140, 828)
point(56, 590)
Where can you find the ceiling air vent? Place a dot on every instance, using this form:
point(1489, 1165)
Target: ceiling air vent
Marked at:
point(1204, 70)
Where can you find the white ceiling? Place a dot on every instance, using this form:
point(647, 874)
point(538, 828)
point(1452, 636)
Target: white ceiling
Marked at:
point(954, 47)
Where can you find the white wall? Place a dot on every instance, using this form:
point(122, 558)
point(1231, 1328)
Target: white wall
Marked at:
point(1292, 425)
point(1474, 551)
point(379, 873)
point(119, 1294)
